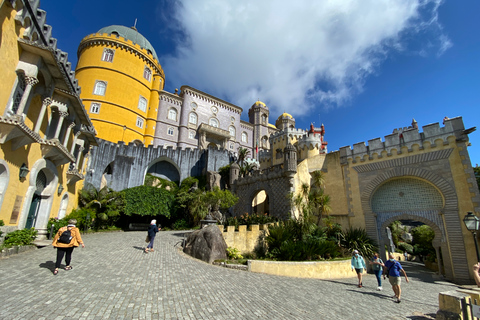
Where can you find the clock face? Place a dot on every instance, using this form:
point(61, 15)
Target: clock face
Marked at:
point(214, 109)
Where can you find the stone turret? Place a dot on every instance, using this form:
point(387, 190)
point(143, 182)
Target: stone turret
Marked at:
point(290, 158)
point(234, 173)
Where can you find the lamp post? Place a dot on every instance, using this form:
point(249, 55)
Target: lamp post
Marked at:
point(472, 223)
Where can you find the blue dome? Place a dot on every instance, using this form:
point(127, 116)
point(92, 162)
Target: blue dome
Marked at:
point(130, 34)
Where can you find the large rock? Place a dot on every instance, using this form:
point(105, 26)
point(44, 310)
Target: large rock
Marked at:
point(206, 244)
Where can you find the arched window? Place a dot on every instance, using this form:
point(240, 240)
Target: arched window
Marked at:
point(264, 119)
point(213, 122)
point(142, 104)
point(192, 118)
point(18, 93)
point(170, 131)
point(191, 134)
point(139, 122)
point(172, 114)
point(95, 108)
point(264, 142)
point(244, 137)
point(147, 73)
point(107, 55)
point(231, 129)
point(100, 87)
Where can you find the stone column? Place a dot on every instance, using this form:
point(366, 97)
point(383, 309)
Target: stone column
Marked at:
point(46, 102)
point(78, 157)
point(67, 134)
point(63, 115)
point(72, 150)
point(30, 82)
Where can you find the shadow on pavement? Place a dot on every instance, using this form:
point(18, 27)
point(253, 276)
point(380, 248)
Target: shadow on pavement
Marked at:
point(50, 265)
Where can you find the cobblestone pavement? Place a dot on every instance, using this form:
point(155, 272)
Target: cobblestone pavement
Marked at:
point(112, 278)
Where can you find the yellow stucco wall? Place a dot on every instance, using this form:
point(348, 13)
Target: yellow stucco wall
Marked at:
point(116, 120)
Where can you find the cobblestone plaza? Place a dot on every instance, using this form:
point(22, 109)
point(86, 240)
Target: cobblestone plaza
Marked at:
point(112, 278)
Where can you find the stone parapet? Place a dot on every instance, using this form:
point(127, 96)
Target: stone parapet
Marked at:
point(432, 135)
point(287, 133)
point(245, 239)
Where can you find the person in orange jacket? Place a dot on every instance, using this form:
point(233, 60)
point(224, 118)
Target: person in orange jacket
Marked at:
point(65, 248)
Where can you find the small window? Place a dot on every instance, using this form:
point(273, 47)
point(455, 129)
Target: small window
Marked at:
point(244, 137)
point(232, 119)
point(139, 122)
point(95, 108)
point(232, 146)
point(172, 114)
point(191, 134)
point(147, 73)
point(107, 55)
point(214, 110)
point(100, 88)
point(18, 94)
point(231, 129)
point(193, 105)
point(264, 119)
point(192, 118)
point(214, 122)
point(142, 104)
point(170, 131)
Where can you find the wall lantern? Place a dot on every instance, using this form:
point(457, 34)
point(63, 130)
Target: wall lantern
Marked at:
point(60, 189)
point(472, 222)
point(23, 172)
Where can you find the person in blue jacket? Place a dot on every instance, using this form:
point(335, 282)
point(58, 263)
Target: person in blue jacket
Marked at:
point(358, 264)
point(152, 231)
point(392, 269)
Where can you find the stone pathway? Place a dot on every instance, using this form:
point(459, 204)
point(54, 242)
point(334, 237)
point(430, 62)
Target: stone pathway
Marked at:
point(112, 278)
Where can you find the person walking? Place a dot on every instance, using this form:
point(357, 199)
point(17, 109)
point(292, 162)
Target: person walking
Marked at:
point(152, 231)
point(392, 269)
point(377, 266)
point(358, 264)
point(66, 239)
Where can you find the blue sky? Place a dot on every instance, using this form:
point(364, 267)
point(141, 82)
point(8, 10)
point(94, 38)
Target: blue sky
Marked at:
point(360, 67)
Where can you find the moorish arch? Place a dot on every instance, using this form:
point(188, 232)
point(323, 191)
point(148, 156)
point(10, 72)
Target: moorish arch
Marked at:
point(431, 200)
point(164, 168)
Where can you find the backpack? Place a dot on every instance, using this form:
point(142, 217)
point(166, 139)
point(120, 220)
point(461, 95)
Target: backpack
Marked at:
point(65, 237)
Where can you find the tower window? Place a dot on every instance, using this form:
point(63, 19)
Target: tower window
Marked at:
point(264, 119)
point(100, 87)
point(244, 137)
point(172, 114)
point(191, 134)
point(142, 104)
point(170, 131)
point(192, 118)
point(108, 55)
point(18, 93)
point(147, 73)
point(139, 122)
point(231, 129)
point(95, 108)
point(213, 122)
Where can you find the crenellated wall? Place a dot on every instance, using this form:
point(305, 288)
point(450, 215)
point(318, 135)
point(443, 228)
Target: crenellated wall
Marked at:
point(246, 238)
point(432, 135)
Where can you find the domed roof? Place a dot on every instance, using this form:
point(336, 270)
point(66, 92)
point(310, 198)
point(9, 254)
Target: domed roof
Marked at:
point(285, 115)
point(260, 103)
point(132, 35)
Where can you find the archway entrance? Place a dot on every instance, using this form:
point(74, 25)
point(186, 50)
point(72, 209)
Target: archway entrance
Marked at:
point(164, 169)
point(408, 198)
point(261, 203)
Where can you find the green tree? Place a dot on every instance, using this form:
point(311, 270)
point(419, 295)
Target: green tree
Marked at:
point(422, 241)
point(106, 204)
point(243, 153)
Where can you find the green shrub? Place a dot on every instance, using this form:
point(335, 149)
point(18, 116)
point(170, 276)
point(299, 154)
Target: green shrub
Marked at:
point(405, 247)
point(233, 253)
point(246, 219)
point(2, 223)
point(84, 216)
point(20, 237)
point(57, 224)
point(180, 224)
point(358, 239)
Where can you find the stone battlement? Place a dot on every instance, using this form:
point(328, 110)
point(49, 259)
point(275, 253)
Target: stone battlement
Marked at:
point(286, 133)
point(311, 141)
point(407, 137)
point(245, 239)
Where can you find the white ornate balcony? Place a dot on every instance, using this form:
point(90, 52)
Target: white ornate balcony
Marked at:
point(12, 128)
point(54, 151)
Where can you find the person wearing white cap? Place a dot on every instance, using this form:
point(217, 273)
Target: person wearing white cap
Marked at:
point(358, 264)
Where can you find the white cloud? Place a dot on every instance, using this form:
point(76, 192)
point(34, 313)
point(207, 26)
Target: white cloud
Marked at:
point(291, 55)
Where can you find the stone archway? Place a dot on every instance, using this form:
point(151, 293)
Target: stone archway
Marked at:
point(261, 203)
point(443, 218)
point(164, 168)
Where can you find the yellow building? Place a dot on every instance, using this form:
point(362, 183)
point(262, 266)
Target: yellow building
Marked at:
point(121, 78)
point(45, 133)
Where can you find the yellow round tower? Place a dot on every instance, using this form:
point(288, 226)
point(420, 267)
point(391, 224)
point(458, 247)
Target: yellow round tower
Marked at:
point(120, 77)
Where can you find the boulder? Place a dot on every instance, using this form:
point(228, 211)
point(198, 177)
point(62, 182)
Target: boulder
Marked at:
point(206, 244)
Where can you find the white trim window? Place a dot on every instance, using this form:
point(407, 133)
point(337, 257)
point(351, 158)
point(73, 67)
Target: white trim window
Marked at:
point(18, 93)
point(108, 55)
point(232, 146)
point(231, 129)
point(170, 131)
point(147, 73)
point(100, 88)
point(213, 122)
point(139, 122)
point(95, 108)
point(192, 118)
point(264, 119)
point(172, 114)
point(142, 104)
point(191, 134)
point(244, 137)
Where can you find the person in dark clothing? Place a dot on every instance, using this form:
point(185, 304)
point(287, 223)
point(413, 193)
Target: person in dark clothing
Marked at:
point(152, 231)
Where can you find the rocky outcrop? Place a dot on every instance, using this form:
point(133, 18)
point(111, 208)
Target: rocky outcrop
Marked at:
point(206, 244)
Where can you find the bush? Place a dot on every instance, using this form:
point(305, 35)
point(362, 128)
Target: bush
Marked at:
point(357, 238)
point(233, 253)
point(84, 216)
point(246, 219)
point(405, 247)
point(2, 223)
point(57, 224)
point(181, 224)
point(20, 238)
